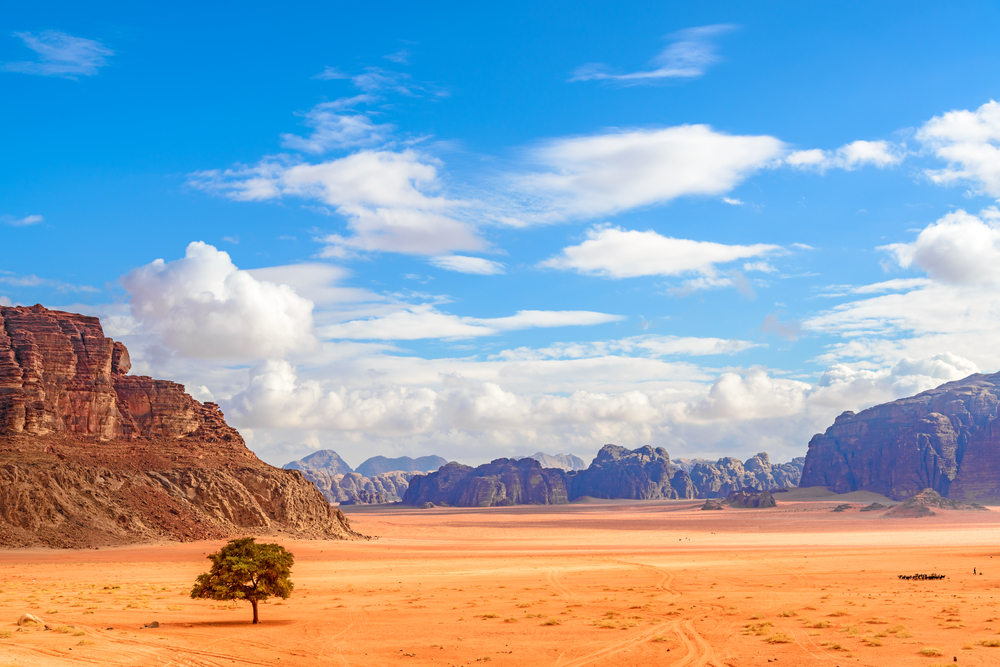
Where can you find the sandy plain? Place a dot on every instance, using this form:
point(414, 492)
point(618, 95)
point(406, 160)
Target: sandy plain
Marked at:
point(598, 583)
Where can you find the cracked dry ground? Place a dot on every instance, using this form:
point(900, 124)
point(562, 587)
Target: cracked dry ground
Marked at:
point(612, 583)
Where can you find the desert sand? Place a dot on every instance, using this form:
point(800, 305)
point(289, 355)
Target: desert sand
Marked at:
point(592, 583)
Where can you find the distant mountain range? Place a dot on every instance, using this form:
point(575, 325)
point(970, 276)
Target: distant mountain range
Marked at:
point(645, 473)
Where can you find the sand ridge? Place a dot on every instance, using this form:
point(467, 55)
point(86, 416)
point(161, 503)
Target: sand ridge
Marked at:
point(627, 583)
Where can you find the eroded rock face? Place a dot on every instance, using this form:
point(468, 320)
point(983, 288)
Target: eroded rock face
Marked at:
point(90, 455)
point(325, 460)
point(567, 462)
point(640, 474)
point(946, 439)
point(720, 478)
point(500, 482)
point(924, 503)
point(356, 489)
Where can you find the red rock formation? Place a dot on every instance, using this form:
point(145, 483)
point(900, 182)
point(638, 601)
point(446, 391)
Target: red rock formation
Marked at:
point(946, 439)
point(91, 455)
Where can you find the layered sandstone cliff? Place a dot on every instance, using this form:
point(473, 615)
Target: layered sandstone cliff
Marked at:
point(90, 455)
point(946, 439)
point(720, 478)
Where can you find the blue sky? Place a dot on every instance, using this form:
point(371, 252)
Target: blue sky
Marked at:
point(488, 231)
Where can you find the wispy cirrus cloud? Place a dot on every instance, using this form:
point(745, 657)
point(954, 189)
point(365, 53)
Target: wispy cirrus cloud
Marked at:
point(26, 221)
point(59, 54)
point(13, 279)
point(614, 171)
point(465, 264)
point(612, 252)
point(688, 56)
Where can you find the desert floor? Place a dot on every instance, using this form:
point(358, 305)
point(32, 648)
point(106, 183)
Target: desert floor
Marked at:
point(598, 583)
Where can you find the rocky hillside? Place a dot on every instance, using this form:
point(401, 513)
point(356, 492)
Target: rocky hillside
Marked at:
point(501, 482)
point(946, 439)
point(91, 456)
point(720, 478)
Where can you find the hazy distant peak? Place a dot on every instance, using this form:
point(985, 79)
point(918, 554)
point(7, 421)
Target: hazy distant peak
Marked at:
point(326, 460)
point(564, 461)
point(377, 465)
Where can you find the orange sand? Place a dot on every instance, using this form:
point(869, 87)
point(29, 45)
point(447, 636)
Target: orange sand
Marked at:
point(599, 583)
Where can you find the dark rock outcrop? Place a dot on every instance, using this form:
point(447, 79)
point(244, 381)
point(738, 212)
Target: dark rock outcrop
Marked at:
point(720, 478)
point(640, 474)
point(874, 507)
point(712, 504)
point(500, 482)
point(924, 503)
point(946, 439)
point(380, 464)
point(750, 497)
point(324, 460)
point(90, 455)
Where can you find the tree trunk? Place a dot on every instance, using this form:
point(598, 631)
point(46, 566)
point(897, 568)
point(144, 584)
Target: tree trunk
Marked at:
point(254, 603)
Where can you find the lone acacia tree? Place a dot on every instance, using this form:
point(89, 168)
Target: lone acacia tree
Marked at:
point(245, 570)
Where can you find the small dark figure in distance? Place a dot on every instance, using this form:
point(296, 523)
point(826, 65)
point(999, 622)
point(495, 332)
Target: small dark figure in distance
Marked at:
point(245, 570)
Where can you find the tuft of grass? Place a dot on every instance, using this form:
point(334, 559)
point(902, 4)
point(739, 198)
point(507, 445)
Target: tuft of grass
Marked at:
point(63, 629)
point(510, 620)
point(175, 607)
point(659, 639)
point(778, 638)
point(84, 642)
point(758, 629)
point(820, 624)
point(839, 613)
point(756, 617)
point(930, 651)
point(79, 633)
point(485, 616)
point(992, 643)
point(6, 634)
point(552, 621)
point(873, 641)
point(833, 646)
point(851, 630)
point(788, 613)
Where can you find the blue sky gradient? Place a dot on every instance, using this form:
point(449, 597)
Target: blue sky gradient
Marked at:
point(487, 231)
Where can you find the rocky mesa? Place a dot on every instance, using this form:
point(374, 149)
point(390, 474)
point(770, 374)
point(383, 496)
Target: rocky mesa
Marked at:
point(946, 439)
point(92, 456)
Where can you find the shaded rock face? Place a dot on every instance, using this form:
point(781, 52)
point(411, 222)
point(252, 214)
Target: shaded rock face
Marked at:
point(500, 482)
point(641, 474)
point(720, 478)
point(92, 456)
point(566, 462)
point(380, 464)
point(924, 503)
point(325, 460)
point(355, 489)
point(946, 439)
point(750, 497)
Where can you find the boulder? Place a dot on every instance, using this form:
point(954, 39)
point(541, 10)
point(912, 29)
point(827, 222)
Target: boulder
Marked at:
point(29, 619)
point(750, 497)
point(712, 504)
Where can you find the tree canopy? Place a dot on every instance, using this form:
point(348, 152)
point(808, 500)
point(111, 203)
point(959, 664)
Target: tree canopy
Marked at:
point(245, 570)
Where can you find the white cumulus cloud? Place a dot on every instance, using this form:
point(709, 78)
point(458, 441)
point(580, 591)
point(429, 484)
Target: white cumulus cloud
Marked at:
point(970, 143)
point(391, 200)
point(203, 306)
point(849, 157)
